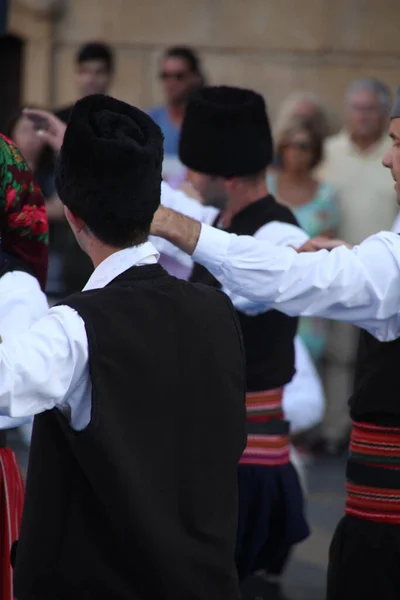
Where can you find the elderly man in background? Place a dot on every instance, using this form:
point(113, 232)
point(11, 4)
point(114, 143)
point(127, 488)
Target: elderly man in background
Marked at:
point(364, 190)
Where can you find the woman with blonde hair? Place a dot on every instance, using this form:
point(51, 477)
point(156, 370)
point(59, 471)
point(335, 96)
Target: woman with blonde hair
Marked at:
point(311, 107)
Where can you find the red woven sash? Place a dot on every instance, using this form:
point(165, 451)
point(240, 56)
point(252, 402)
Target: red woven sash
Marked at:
point(373, 473)
point(267, 442)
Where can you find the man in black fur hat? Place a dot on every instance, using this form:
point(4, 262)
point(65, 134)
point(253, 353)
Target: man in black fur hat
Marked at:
point(360, 285)
point(226, 145)
point(138, 387)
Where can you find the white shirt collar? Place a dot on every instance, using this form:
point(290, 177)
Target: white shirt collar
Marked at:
point(121, 261)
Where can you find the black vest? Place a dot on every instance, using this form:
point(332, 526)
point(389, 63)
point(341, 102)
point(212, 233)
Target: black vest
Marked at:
point(375, 398)
point(268, 337)
point(142, 504)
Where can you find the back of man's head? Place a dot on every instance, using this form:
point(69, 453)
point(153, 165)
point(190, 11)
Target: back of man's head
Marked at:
point(109, 169)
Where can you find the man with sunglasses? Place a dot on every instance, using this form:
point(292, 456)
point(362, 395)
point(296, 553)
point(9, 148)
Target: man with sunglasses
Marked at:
point(180, 74)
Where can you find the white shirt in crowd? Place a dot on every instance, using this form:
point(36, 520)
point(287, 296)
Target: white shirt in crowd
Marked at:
point(364, 187)
point(22, 302)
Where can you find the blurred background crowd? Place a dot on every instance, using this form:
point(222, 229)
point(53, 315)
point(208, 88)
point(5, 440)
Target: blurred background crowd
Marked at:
point(327, 71)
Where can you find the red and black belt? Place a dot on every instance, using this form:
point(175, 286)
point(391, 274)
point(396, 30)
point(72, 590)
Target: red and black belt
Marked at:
point(373, 473)
point(267, 431)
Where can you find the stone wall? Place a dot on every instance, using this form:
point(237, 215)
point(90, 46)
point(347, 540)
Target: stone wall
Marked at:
point(274, 46)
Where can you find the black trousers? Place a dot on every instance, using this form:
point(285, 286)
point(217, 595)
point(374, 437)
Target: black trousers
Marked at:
point(364, 561)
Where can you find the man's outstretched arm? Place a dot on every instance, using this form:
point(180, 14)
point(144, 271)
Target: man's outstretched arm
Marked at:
point(359, 285)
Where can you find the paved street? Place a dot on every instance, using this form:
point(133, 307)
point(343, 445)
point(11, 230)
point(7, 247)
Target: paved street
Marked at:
point(305, 576)
point(306, 572)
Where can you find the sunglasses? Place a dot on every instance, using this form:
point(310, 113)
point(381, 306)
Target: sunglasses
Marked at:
point(304, 146)
point(177, 75)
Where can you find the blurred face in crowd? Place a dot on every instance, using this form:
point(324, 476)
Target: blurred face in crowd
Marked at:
point(297, 152)
point(25, 137)
point(211, 189)
point(392, 157)
point(366, 119)
point(306, 109)
point(93, 77)
point(178, 80)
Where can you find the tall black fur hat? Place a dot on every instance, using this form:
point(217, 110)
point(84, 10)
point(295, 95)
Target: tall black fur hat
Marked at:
point(109, 167)
point(226, 132)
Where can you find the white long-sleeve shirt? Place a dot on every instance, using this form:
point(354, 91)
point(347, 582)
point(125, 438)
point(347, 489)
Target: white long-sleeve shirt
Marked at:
point(48, 366)
point(361, 285)
point(22, 302)
point(275, 232)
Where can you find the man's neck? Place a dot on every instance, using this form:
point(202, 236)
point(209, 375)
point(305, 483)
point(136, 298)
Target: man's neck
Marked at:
point(241, 199)
point(99, 253)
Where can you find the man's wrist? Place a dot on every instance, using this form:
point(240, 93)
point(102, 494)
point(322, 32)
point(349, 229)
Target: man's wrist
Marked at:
point(174, 227)
point(183, 232)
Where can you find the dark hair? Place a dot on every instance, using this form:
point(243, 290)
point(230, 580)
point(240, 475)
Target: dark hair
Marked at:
point(96, 51)
point(294, 125)
point(190, 56)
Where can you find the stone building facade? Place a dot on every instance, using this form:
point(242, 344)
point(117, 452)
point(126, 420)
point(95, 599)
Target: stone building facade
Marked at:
point(274, 46)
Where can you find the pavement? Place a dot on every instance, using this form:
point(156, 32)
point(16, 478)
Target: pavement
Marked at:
point(305, 576)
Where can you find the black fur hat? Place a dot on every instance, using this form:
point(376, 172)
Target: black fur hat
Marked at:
point(109, 167)
point(226, 132)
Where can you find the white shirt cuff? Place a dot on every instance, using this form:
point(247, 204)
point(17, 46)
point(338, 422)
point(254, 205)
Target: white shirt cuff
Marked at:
point(212, 247)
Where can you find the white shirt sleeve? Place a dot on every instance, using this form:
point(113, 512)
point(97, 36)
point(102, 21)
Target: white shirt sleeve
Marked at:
point(279, 234)
point(22, 302)
point(361, 285)
point(303, 397)
point(282, 234)
point(41, 367)
point(182, 203)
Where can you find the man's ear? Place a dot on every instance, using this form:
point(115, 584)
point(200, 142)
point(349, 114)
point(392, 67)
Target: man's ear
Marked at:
point(76, 222)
